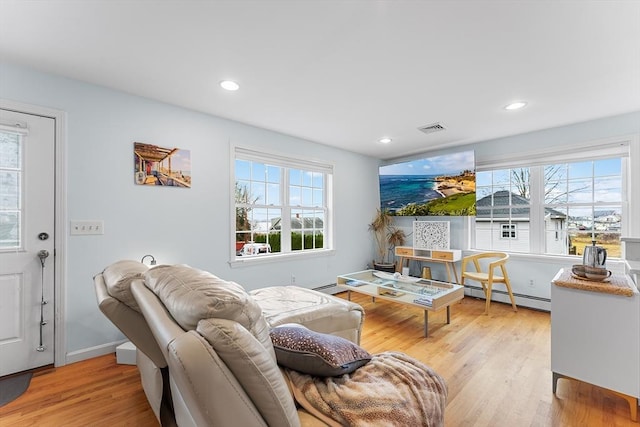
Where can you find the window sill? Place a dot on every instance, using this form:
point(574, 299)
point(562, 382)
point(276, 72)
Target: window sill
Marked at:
point(560, 260)
point(240, 262)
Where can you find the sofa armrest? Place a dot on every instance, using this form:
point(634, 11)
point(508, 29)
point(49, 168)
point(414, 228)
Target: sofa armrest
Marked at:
point(131, 323)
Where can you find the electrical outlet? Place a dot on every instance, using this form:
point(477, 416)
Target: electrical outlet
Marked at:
point(293, 279)
point(87, 227)
point(531, 282)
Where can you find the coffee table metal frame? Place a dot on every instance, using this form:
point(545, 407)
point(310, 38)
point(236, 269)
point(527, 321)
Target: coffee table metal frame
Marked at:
point(368, 282)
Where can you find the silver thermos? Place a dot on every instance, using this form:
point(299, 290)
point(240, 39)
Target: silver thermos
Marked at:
point(594, 256)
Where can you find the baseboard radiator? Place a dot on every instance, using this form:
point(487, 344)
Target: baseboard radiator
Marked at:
point(330, 289)
point(529, 301)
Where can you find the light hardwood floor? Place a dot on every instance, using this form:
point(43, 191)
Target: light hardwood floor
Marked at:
point(496, 368)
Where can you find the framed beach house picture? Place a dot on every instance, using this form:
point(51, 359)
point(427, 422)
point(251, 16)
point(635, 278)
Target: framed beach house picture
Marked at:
point(161, 166)
point(431, 186)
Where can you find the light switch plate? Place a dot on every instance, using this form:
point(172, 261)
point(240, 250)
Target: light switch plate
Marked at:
point(87, 227)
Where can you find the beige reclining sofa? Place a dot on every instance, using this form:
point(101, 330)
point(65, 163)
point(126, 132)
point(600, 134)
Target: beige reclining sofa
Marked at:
point(223, 359)
point(277, 305)
point(221, 363)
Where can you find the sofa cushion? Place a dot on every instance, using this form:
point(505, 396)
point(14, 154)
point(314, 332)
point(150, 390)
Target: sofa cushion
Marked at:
point(190, 295)
point(315, 310)
point(118, 277)
point(254, 369)
point(313, 353)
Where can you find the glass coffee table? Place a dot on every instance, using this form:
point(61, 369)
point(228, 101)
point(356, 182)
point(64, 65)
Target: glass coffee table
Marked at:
point(429, 295)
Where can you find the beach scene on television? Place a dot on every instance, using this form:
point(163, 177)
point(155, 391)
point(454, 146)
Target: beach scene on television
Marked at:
point(162, 166)
point(439, 186)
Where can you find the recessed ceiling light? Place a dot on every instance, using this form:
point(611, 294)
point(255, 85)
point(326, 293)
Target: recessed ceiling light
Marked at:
point(229, 85)
point(385, 140)
point(515, 105)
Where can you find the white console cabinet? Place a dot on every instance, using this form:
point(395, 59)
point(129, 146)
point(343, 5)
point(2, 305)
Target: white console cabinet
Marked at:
point(595, 338)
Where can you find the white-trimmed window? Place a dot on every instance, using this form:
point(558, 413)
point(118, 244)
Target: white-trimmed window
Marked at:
point(281, 205)
point(555, 204)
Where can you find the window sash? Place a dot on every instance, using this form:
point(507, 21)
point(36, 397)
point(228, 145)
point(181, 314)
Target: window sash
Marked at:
point(282, 161)
point(318, 202)
point(538, 228)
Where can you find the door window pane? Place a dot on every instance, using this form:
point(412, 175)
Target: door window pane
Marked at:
point(10, 190)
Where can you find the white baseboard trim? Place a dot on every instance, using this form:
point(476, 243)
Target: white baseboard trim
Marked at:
point(91, 352)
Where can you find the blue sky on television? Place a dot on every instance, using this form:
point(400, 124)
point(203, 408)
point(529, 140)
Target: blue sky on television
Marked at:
point(448, 164)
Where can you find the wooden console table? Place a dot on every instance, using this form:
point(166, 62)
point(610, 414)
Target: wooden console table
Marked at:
point(448, 257)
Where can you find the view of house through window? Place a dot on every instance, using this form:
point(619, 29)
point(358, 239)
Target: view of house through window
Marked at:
point(551, 209)
point(502, 206)
point(280, 207)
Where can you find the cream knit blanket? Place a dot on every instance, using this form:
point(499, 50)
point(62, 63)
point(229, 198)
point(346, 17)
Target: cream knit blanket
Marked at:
point(393, 389)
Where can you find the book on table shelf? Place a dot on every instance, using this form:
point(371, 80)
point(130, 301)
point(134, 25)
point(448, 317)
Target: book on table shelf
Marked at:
point(355, 283)
point(424, 300)
point(390, 292)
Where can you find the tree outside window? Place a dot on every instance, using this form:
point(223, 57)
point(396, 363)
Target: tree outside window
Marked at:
point(589, 194)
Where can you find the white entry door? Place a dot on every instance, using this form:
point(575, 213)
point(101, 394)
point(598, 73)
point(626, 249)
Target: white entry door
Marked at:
point(27, 207)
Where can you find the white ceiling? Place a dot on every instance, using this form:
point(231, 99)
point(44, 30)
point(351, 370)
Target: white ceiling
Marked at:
point(346, 73)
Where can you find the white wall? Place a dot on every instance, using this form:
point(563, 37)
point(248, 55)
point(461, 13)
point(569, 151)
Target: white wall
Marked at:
point(175, 225)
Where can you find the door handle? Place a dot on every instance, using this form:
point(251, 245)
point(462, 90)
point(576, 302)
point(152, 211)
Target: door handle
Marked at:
point(43, 254)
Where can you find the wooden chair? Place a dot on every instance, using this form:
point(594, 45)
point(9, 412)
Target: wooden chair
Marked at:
point(488, 278)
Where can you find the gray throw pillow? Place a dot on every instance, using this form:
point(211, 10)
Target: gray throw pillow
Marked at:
point(313, 353)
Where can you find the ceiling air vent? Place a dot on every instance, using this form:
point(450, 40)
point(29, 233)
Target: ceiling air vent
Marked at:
point(433, 127)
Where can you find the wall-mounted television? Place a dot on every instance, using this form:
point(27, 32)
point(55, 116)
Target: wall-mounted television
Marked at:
point(431, 186)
